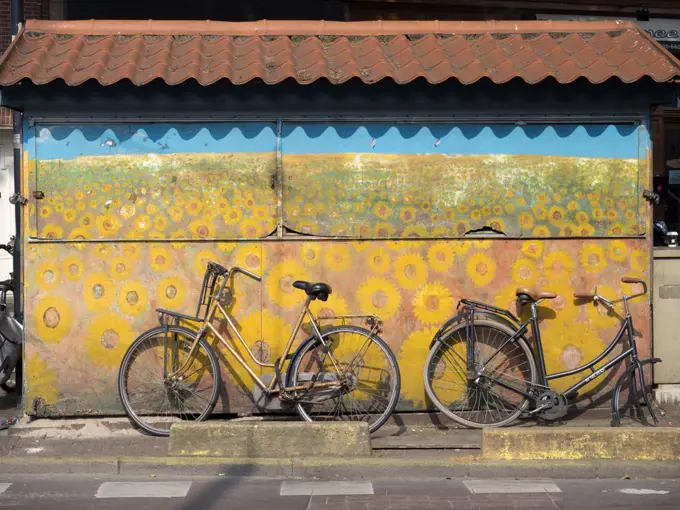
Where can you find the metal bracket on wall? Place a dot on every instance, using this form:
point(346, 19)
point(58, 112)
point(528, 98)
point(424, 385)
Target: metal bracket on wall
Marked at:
point(16, 198)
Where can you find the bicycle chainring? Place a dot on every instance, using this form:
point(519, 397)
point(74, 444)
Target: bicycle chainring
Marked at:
point(556, 410)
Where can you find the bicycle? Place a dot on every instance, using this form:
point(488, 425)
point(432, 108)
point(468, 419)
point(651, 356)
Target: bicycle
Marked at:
point(498, 379)
point(11, 334)
point(327, 378)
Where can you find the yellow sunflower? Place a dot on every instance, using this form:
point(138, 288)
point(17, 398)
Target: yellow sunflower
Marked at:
point(45, 211)
point(176, 213)
point(143, 223)
point(541, 231)
point(102, 251)
point(280, 280)
point(160, 259)
point(557, 216)
point(42, 381)
point(384, 230)
point(131, 250)
point(481, 268)
point(582, 217)
point(74, 268)
point(617, 251)
point(461, 227)
point(310, 254)
point(379, 296)
point(441, 256)
point(70, 215)
point(133, 299)
point(475, 215)
point(509, 208)
point(382, 210)
point(106, 340)
point(558, 266)
point(592, 258)
point(540, 212)
point(337, 257)
point(533, 249)
point(127, 211)
point(639, 261)
point(572, 205)
point(598, 214)
point(98, 291)
point(194, 207)
point(250, 256)
point(121, 268)
point(410, 270)
point(250, 228)
point(378, 259)
point(201, 260)
point(526, 220)
point(616, 229)
point(412, 355)
point(52, 318)
point(524, 272)
point(171, 293)
point(47, 274)
point(50, 231)
point(586, 230)
point(160, 223)
point(408, 214)
point(78, 234)
point(86, 220)
point(461, 246)
point(232, 216)
point(433, 303)
point(202, 229)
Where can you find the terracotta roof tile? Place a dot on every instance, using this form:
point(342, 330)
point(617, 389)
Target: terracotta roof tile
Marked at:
point(143, 51)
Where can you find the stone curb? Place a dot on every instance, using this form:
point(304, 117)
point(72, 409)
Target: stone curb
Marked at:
point(341, 469)
point(582, 444)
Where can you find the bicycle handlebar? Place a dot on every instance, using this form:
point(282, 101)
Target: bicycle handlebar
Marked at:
point(607, 302)
point(236, 269)
point(8, 249)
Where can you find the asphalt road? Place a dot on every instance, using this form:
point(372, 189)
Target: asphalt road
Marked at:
point(64, 492)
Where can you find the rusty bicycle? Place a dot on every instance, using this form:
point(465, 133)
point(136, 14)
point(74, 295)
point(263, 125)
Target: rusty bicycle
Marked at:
point(339, 372)
point(481, 371)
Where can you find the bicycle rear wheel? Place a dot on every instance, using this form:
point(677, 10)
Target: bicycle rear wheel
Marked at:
point(362, 365)
point(483, 402)
point(151, 400)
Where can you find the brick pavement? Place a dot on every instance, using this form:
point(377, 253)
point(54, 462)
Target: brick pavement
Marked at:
point(418, 502)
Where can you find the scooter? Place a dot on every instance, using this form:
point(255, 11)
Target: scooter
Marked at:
point(11, 333)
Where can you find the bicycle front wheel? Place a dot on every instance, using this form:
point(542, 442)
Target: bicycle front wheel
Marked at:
point(152, 400)
point(351, 376)
point(481, 402)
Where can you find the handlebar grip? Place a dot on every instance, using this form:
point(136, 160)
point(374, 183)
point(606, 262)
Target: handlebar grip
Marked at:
point(628, 279)
point(584, 295)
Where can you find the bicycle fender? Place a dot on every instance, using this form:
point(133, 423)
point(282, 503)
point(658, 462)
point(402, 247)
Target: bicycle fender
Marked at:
point(461, 317)
point(293, 355)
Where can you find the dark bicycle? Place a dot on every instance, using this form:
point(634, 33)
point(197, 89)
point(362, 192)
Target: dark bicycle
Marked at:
point(481, 371)
point(11, 334)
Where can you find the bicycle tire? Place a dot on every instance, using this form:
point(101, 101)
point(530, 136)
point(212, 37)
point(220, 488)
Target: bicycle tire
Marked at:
point(432, 367)
point(391, 401)
point(125, 368)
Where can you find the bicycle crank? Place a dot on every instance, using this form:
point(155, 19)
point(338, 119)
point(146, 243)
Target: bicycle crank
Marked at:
point(551, 406)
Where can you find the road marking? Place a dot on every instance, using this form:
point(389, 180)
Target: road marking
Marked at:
point(510, 486)
point(642, 492)
point(4, 487)
point(326, 488)
point(109, 490)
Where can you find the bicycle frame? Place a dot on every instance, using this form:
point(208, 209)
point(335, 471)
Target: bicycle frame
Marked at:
point(626, 327)
point(275, 386)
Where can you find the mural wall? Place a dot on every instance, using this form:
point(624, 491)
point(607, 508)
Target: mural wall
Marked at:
point(132, 214)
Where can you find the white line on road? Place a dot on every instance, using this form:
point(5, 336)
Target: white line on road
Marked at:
point(110, 490)
point(510, 486)
point(4, 487)
point(642, 492)
point(325, 488)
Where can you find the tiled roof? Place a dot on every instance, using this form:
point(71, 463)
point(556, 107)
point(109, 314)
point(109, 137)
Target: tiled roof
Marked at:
point(208, 51)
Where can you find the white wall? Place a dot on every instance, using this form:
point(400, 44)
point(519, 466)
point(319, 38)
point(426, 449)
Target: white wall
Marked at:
point(6, 209)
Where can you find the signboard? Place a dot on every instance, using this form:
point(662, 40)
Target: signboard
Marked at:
point(665, 31)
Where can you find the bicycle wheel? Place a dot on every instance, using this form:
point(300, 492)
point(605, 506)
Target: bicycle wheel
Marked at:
point(363, 366)
point(484, 403)
point(153, 402)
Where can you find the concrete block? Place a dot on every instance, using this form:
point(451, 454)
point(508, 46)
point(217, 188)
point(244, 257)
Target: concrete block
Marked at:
point(668, 394)
point(571, 443)
point(270, 439)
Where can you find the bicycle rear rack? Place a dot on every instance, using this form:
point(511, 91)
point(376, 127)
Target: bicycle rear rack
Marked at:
point(487, 308)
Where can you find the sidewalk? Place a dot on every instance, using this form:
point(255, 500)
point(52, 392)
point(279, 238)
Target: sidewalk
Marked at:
point(410, 443)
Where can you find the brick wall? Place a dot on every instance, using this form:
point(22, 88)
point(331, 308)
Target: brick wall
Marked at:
point(33, 9)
